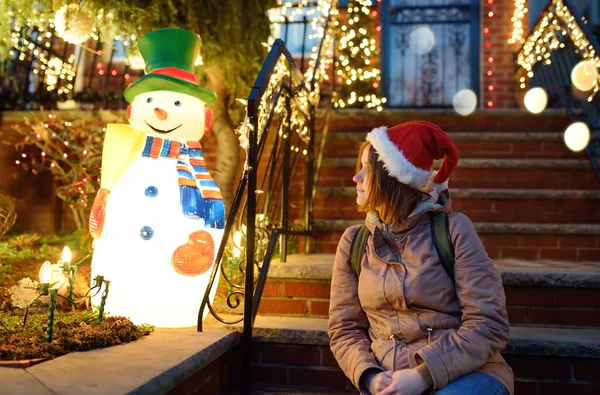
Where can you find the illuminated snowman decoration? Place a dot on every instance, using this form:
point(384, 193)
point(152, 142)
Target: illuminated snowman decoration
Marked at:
point(158, 218)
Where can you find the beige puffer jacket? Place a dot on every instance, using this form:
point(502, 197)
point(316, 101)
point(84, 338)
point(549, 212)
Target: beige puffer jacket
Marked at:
point(406, 300)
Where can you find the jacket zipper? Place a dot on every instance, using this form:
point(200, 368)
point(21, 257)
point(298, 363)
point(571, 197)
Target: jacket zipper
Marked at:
point(393, 338)
point(429, 330)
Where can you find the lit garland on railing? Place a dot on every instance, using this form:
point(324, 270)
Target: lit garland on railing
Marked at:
point(356, 51)
point(517, 21)
point(545, 38)
point(302, 98)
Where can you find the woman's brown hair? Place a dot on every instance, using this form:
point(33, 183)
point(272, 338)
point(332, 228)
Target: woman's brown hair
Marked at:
point(392, 200)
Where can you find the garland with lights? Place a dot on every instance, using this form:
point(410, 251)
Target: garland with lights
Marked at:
point(545, 38)
point(357, 72)
point(313, 77)
point(517, 21)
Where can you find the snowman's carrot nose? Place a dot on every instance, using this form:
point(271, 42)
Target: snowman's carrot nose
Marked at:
point(160, 114)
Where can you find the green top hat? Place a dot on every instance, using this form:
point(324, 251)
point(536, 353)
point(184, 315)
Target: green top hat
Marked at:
point(170, 55)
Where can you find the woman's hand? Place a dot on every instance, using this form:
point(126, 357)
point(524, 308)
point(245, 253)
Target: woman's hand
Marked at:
point(405, 382)
point(375, 383)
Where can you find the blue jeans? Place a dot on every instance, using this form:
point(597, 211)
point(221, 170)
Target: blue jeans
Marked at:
point(475, 383)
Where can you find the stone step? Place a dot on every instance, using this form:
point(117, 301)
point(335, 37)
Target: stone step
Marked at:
point(294, 353)
point(569, 242)
point(467, 149)
point(508, 120)
point(559, 342)
point(485, 205)
point(357, 137)
point(541, 292)
point(487, 163)
point(488, 173)
point(486, 227)
point(484, 193)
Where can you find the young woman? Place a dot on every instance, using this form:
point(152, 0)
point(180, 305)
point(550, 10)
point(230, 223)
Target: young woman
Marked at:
point(405, 326)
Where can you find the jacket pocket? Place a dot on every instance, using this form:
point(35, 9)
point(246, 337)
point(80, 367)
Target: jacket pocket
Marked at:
point(382, 348)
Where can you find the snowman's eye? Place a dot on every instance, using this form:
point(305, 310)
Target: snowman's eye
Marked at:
point(149, 100)
point(177, 103)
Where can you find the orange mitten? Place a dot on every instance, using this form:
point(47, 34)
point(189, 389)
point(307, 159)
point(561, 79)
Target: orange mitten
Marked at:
point(98, 212)
point(195, 257)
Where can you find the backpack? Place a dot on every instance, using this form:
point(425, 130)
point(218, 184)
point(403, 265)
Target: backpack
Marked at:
point(440, 230)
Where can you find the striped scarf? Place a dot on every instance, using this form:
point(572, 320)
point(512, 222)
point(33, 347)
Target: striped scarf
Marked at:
point(200, 196)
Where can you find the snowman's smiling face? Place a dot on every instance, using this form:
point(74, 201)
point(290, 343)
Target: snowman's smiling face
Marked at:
point(167, 114)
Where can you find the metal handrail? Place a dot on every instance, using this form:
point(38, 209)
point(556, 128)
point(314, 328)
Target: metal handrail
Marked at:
point(555, 77)
point(280, 88)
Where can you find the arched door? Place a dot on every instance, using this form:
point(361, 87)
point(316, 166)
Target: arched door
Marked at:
point(430, 51)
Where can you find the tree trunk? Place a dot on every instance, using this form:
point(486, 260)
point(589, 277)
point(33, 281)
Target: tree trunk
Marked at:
point(228, 156)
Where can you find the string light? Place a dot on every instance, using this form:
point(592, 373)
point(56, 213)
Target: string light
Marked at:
point(517, 21)
point(490, 61)
point(55, 71)
point(302, 98)
point(356, 64)
point(547, 37)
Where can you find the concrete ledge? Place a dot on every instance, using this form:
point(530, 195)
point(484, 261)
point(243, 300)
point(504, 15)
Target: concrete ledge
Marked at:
point(514, 272)
point(581, 343)
point(155, 364)
point(584, 343)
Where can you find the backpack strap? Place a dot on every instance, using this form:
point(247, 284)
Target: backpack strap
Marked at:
point(357, 248)
point(440, 232)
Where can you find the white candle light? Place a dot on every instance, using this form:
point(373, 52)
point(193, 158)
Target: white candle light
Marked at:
point(45, 272)
point(67, 255)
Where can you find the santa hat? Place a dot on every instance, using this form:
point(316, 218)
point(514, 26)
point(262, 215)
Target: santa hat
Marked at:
point(408, 150)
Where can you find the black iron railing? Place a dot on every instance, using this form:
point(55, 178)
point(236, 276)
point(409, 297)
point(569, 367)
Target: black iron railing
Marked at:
point(273, 201)
point(560, 40)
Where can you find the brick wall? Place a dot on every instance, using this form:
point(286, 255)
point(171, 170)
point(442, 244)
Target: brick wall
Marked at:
point(314, 367)
point(298, 366)
point(296, 298)
point(553, 306)
point(496, 30)
point(525, 305)
point(220, 375)
point(538, 375)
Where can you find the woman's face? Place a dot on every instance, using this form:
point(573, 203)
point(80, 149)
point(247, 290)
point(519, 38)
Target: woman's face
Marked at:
point(361, 179)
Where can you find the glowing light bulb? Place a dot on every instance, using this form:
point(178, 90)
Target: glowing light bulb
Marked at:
point(464, 102)
point(577, 136)
point(535, 100)
point(45, 272)
point(67, 255)
point(422, 40)
point(584, 75)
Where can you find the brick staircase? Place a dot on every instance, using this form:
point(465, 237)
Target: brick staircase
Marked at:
point(528, 195)
point(536, 207)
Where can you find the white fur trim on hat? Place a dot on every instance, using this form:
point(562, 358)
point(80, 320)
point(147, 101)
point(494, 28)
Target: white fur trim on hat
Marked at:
point(394, 161)
point(432, 186)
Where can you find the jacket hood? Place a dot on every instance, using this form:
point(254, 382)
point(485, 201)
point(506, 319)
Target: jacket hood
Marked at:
point(429, 203)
